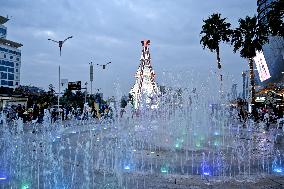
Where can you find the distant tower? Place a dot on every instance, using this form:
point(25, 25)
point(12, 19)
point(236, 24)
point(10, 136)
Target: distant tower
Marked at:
point(145, 88)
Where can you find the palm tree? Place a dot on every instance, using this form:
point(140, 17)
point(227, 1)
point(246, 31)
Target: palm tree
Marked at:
point(214, 31)
point(248, 38)
point(275, 18)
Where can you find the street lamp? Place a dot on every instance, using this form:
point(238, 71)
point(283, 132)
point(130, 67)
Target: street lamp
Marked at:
point(60, 44)
point(104, 65)
point(86, 84)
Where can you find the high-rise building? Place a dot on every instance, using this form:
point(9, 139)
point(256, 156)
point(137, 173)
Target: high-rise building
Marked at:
point(274, 50)
point(10, 58)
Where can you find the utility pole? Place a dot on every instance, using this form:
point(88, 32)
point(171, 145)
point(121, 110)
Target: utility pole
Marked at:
point(91, 76)
point(59, 87)
point(86, 92)
point(60, 45)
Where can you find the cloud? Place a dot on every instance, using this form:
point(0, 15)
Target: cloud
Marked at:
point(107, 40)
point(111, 31)
point(44, 33)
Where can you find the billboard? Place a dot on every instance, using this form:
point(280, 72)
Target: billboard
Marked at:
point(261, 66)
point(74, 85)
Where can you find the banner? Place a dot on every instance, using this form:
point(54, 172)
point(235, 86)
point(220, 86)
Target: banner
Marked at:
point(261, 66)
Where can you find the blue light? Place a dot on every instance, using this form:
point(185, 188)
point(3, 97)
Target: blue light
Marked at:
point(3, 178)
point(126, 167)
point(278, 169)
point(206, 173)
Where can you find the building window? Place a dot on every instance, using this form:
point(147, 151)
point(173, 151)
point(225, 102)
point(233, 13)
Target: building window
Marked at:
point(17, 70)
point(17, 64)
point(11, 70)
point(10, 83)
point(3, 82)
point(2, 68)
point(17, 83)
point(3, 75)
point(17, 59)
point(4, 55)
point(11, 57)
point(3, 31)
point(10, 76)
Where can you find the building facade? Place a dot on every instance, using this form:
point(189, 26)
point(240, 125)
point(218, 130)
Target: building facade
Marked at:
point(10, 58)
point(274, 50)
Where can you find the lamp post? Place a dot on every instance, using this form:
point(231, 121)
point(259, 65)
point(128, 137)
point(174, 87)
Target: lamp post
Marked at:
point(86, 92)
point(91, 76)
point(60, 45)
point(104, 66)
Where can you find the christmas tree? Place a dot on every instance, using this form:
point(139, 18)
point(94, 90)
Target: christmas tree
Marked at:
point(145, 91)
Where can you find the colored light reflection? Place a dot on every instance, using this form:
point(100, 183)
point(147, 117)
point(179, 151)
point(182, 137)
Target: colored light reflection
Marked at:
point(198, 144)
point(179, 142)
point(126, 167)
point(206, 173)
point(177, 145)
point(216, 143)
point(205, 168)
point(216, 133)
point(278, 170)
point(164, 169)
point(3, 177)
point(25, 186)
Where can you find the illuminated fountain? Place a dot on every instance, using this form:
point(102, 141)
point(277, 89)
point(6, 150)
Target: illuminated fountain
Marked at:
point(190, 140)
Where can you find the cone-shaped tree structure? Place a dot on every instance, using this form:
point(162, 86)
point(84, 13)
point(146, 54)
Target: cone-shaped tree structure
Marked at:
point(145, 90)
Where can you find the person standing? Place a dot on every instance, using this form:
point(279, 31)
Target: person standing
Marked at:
point(266, 120)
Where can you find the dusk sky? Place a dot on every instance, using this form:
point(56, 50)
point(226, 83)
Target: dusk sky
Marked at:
point(111, 30)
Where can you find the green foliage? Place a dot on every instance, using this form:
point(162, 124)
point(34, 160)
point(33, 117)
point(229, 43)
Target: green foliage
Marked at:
point(249, 37)
point(73, 99)
point(214, 31)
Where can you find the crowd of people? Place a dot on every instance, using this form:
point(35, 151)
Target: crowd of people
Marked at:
point(36, 113)
point(268, 115)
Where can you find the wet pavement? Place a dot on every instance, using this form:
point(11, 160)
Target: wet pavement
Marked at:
point(90, 155)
